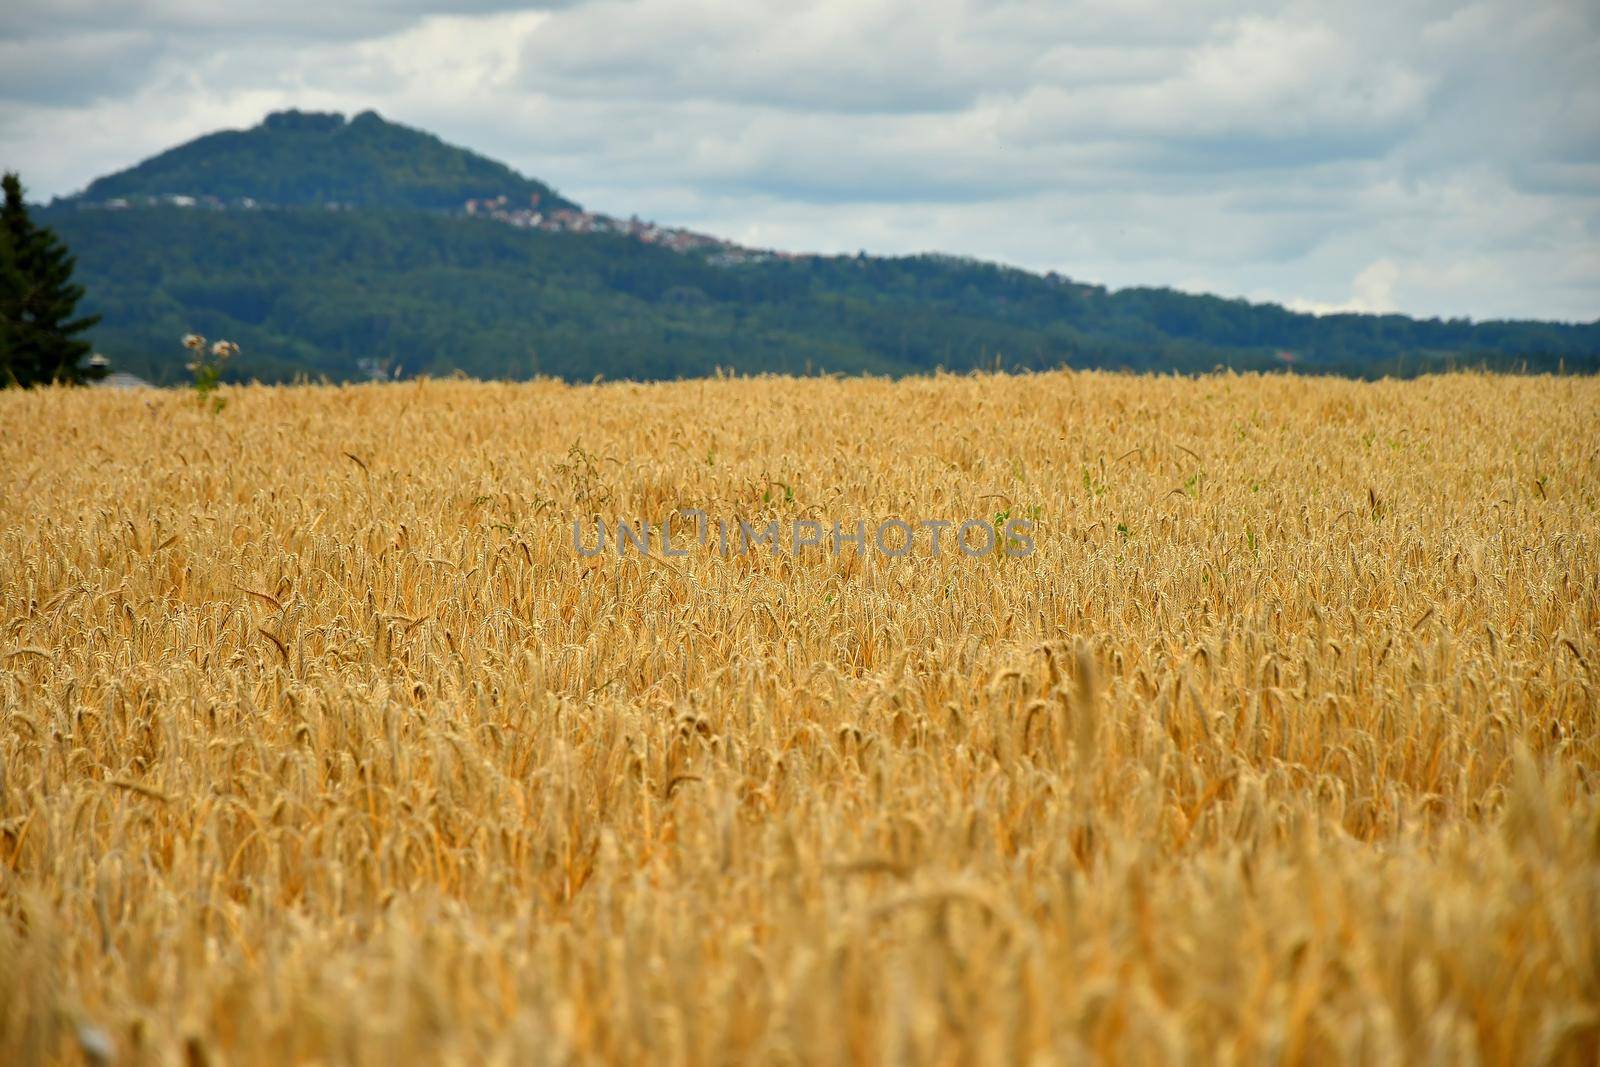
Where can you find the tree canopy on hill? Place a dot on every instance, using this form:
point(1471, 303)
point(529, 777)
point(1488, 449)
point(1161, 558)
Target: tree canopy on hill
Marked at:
point(319, 293)
point(316, 159)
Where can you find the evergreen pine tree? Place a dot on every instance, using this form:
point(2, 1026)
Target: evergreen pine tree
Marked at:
point(11, 289)
point(38, 301)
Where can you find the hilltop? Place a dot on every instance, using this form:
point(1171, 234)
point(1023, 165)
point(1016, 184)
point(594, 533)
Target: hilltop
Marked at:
point(364, 247)
point(318, 159)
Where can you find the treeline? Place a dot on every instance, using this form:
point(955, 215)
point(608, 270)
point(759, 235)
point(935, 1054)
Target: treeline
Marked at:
point(308, 291)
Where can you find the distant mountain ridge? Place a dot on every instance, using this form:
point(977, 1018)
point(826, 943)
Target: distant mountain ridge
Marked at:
point(318, 159)
point(443, 260)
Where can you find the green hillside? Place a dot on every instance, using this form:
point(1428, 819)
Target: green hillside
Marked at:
point(306, 291)
point(404, 279)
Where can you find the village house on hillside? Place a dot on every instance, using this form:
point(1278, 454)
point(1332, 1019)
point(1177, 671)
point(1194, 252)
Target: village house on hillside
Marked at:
point(568, 220)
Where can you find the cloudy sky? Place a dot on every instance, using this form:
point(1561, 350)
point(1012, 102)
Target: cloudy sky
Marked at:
point(1432, 158)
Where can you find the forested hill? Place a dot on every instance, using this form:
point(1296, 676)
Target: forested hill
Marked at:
point(315, 159)
point(402, 278)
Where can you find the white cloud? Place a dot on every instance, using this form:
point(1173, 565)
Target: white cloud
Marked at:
point(1372, 291)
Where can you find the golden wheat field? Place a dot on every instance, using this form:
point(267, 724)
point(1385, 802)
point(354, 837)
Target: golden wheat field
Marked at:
point(322, 744)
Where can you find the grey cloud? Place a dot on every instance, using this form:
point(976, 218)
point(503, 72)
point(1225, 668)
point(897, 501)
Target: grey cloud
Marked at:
point(262, 19)
point(71, 52)
point(885, 58)
point(78, 69)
